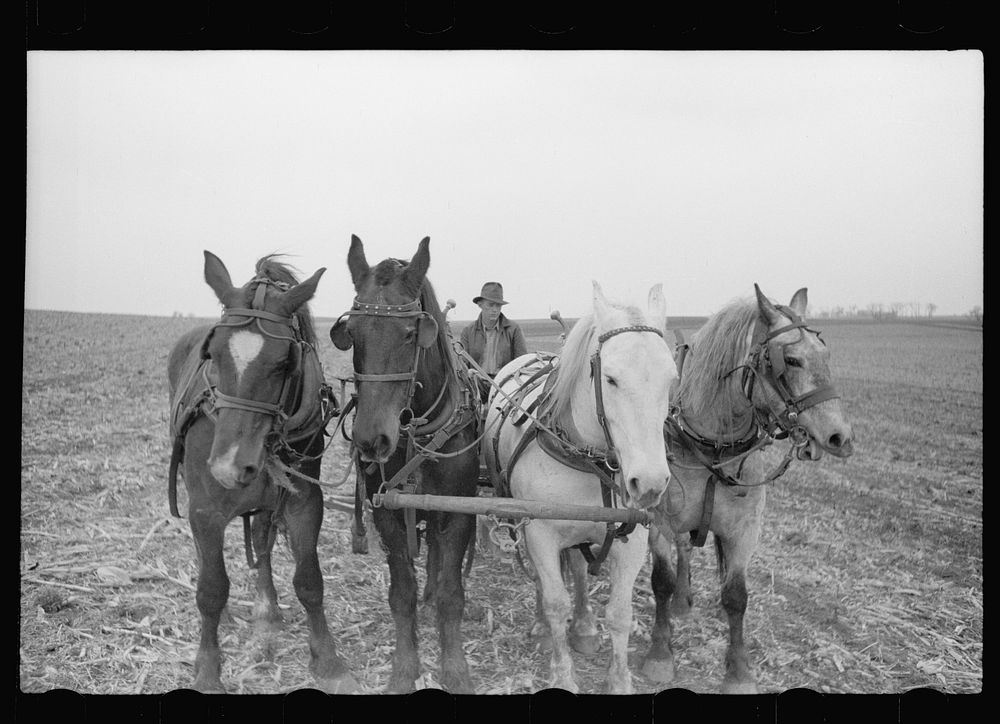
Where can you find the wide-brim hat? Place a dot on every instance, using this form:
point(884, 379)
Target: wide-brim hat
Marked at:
point(492, 292)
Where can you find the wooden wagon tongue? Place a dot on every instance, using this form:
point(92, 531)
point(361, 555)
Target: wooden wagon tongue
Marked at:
point(512, 508)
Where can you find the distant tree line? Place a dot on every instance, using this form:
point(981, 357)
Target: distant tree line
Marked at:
point(879, 312)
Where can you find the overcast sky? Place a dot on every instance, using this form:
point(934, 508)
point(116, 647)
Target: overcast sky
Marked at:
point(856, 174)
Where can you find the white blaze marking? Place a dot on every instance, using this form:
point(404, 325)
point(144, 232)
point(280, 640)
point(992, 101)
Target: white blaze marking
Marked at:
point(223, 468)
point(244, 347)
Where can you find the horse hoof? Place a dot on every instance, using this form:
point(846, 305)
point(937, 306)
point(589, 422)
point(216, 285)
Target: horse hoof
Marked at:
point(566, 685)
point(401, 687)
point(209, 687)
point(339, 685)
point(739, 687)
point(584, 644)
point(542, 641)
point(659, 670)
point(458, 686)
point(359, 543)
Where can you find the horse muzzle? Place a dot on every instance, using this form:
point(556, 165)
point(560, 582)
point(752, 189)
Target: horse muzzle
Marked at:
point(644, 490)
point(235, 470)
point(839, 444)
point(376, 449)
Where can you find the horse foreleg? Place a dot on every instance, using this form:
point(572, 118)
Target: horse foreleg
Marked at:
point(266, 614)
point(733, 555)
point(658, 664)
point(433, 562)
point(539, 632)
point(680, 603)
point(544, 551)
point(208, 529)
point(402, 600)
point(626, 558)
point(447, 546)
point(303, 516)
point(583, 635)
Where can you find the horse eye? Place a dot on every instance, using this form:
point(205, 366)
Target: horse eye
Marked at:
point(792, 362)
point(611, 381)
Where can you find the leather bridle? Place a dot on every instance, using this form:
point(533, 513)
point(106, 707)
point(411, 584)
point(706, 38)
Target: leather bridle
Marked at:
point(767, 362)
point(244, 317)
point(611, 457)
point(424, 338)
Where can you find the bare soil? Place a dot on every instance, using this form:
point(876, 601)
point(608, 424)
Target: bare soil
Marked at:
point(868, 578)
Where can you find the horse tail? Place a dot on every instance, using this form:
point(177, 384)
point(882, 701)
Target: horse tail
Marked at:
point(175, 459)
point(720, 558)
point(564, 565)
point(470, 551)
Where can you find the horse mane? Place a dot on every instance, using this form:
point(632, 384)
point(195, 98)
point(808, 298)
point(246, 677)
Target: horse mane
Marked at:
point(574, 360)
point(717, 348)
point(271, 268)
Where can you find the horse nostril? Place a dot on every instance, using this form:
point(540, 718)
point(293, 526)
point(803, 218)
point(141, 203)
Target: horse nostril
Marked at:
point(835, 442)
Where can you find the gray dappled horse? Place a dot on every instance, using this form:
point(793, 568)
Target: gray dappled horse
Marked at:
point(755, 372)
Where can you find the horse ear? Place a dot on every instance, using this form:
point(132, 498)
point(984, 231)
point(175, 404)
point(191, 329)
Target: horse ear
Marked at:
point(356, 261)
point(217, 277)
point(300, 293)
point(800, 302)
point(416, 270)
point(657, 307)
point(767, 309)
point(600, 304)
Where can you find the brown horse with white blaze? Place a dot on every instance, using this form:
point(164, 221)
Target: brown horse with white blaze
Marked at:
point(248, 404)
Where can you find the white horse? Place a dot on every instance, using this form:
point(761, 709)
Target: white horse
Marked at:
point(590, 432)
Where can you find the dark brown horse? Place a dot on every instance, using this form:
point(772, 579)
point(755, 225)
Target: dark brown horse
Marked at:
point(416, 430)
point(248, 405)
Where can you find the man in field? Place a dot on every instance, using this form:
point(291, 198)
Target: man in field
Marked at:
point(492, 340)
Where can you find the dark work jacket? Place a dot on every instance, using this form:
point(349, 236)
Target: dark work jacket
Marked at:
point(510, 344)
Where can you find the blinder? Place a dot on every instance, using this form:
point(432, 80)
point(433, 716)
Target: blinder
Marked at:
point(426, 325)
point(294, 357)
point(771, 357)
point(427, 331)
point(340, 335)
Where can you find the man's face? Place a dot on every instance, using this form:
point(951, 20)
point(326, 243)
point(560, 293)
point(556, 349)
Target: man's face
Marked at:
point(491, 312)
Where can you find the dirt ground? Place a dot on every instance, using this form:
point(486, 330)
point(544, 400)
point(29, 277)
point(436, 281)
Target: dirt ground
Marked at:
point(868, 578)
